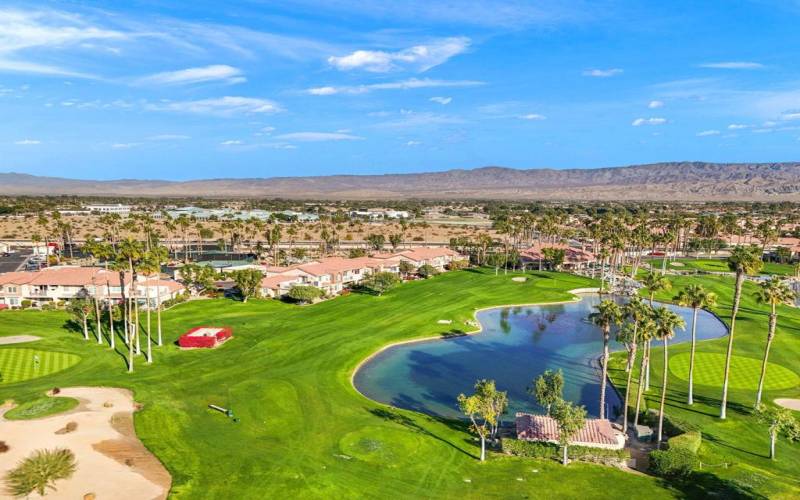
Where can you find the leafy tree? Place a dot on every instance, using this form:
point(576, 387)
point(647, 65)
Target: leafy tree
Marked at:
point(395, 240)
point(781, 422)
point(80, 309)
point(427, 270)
point(248, 281)
point(696, 297)
point(548, 388)
point(607, 314)
point(197, 277)
point(570, 419)
point(304, 293)
point(406, 267)
point(481, 408)
point(380, 282)
point(376, 241)
point(356, 252)
point(666, 323)
point(555, 256)
point(742, 261)
point(40, 471)
point(773, 292)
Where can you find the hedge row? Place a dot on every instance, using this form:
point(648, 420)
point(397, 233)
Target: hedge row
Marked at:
point(550, 450)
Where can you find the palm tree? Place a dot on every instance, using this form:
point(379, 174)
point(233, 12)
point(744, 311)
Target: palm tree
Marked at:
point(742, 260)
point(646, 331)
point(696, 297)
point(636, 311)
point(608, 314)
point(653, 283)
point(130, 252)
point(666, 323)
point(149, 266)
point(158, 255)
point(773, 293)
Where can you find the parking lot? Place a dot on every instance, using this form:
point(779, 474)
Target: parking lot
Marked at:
point(14, 261)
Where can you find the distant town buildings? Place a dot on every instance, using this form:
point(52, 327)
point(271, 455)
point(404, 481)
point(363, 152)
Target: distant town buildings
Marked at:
point(116, 208)
point(231, 214)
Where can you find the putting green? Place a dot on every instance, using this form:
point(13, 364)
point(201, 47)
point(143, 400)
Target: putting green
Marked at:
point(17, 365)
point(709, 369)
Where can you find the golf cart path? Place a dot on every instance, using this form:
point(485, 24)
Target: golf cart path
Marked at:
point(111, 461)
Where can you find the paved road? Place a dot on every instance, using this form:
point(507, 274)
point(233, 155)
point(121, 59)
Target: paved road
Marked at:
point(12, 262)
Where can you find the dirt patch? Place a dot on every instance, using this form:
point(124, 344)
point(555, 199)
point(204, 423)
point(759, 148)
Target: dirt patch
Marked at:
point(131, 452)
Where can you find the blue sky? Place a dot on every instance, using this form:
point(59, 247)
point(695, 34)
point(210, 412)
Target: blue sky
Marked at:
point(145, 89)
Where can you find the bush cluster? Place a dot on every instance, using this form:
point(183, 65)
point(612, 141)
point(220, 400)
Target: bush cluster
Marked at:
point(674, 462)
point(690, 441)
point(673, 426)
point(532, 449)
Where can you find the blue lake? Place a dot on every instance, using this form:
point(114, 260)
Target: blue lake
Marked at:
point(516, 345)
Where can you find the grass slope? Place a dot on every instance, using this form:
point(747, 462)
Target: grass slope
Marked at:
point(304, 431)
point(738, 440)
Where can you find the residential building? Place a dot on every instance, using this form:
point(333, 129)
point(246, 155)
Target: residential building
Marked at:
point(574, 257)
point(596, 432)
point(439, 258)
point(117, 208)
point(61, 283)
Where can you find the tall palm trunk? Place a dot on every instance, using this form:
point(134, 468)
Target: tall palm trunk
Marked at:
point(690, 399)
point(149, 337)
point(97, 318)
point(111, 335)
point(85, 326)
point(158, 314)
point(663, 392)
point(773, 320)
point(640, 388)
point(630, 376)
point(124, 303)
point(606, 336)
point(737, 296)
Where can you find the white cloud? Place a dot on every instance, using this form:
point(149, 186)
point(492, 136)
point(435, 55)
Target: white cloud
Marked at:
point(706, 133)
point(655, 104)
point(417, 58)
point(231, 142)
point(37, 30)
point(27, 142)
point(411, 83)
point(214, 73)
point(267, 130)
point(737, 126)
point(124, 145)
point(603, 73)
point(410, 118)
point(413, 143)
point(648, 121)
point(532, 116)
point(732, 65)
point(318, 137)
point(168, 137)
point(791, 115)
point(441, 100)
point(221, 106)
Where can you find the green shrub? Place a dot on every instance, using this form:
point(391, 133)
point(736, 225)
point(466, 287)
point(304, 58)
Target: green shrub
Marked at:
point(673, 426)
point(674, 462)
point(690, 441)
point(25, 304)
point(427, 270)
point(532, 449)
point(39, 472)
point(457, 264)
point(529, 449)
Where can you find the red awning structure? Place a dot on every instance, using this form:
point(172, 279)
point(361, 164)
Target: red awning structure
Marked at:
point(205, 336)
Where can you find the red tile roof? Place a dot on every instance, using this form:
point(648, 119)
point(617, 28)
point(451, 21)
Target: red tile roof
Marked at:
point(542, 428)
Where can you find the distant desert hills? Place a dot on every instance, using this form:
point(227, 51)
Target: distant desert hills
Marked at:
point(675, 181)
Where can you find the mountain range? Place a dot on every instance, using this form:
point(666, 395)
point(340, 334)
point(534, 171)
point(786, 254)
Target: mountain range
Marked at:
point(672, 181)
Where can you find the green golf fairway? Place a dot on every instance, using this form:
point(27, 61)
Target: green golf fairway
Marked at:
point(709, 369)
point(18, 365)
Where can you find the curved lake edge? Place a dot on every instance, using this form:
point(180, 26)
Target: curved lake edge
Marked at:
point(577, 297)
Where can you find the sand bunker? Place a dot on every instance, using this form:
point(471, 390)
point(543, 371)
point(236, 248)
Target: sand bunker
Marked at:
point(18, 339)
point(792, 404)
point(112, 462)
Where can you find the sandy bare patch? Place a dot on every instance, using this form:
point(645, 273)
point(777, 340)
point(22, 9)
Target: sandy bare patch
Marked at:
point(18, 339)
point(112, 462)
point(792, 404)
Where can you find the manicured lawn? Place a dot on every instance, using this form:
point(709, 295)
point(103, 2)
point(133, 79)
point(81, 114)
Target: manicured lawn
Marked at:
point(739, 441)
point(718, 265)
point(303, 430)
point(745, 372)
point(41, 408)
point(17, 365)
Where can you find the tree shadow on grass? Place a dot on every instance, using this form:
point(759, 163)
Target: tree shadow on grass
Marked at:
point(725, 444)
point(409, 423)
point(703, 484)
